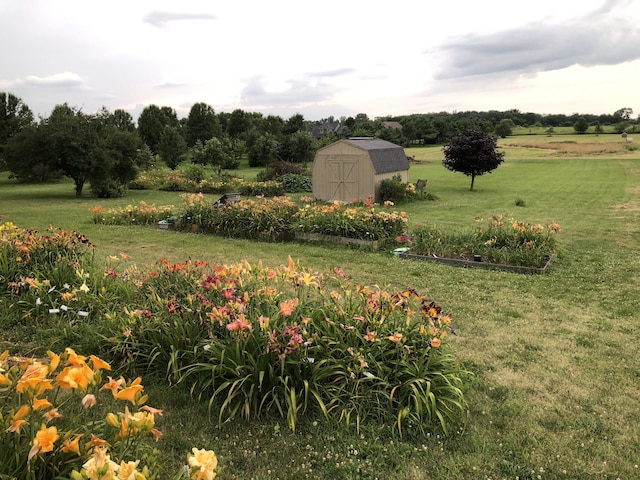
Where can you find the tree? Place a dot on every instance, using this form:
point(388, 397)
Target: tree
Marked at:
point(14, 116)
point(238, 123)
point(71, 136)
point(473, 153)
point(294, 124)
point(263, 150)
point(299, 147)
point(27, 156)
point(504, 128)
point(623, 114)
point(151, 123)
point(581, 125)
point(202, 124)
point(115, 157)
point(171, 147)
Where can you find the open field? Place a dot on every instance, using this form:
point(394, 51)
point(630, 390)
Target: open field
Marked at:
point(556, 386)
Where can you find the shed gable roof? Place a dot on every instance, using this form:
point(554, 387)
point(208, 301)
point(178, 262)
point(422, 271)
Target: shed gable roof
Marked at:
point(385, 156)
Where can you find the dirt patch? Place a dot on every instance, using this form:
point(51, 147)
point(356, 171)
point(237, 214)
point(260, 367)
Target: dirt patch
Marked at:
point(630, 206)
point(577, 149)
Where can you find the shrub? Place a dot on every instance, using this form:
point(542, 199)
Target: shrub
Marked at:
point(394, 189)
point(267, 189)
point(294, 183)
point(255, 340)
point(25, 254)
point(108, 188)
point(262, 219)
point(193, 172)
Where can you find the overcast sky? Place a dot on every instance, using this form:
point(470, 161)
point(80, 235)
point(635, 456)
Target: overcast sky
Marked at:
point(322, 58)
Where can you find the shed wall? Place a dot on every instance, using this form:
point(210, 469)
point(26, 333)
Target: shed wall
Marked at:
point(342, 172)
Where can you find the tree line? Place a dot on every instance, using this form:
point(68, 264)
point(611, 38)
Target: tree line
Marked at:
point(106, 149)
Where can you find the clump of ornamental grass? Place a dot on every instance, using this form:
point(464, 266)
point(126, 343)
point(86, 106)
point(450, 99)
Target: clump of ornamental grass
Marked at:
point(60, 418)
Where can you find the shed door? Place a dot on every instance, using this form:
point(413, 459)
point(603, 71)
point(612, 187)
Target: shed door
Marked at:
point(343, 180)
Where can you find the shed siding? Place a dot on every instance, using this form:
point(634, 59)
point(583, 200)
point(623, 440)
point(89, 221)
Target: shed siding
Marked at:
point(345, 171)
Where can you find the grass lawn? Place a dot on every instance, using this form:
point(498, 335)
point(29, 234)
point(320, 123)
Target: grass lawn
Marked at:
point(555, 391)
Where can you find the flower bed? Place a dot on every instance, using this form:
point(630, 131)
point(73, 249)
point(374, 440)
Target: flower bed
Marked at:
point(262, 219)
point(503, 242)
point(142, 214)
point(61, 418)
point(256, 340)
point(357, 222)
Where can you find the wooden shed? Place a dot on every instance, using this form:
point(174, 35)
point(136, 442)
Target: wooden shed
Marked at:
point(354, 168)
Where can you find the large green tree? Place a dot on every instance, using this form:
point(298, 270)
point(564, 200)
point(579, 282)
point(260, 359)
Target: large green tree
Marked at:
point(473, 153)
point(263, 150)
point(15, 115)
point(27, 156)
point(171, 147)
point(202, 124)
point(581, 125)
point(152, 121)
point(298, 147)
point(504, 128)
point(85, 148)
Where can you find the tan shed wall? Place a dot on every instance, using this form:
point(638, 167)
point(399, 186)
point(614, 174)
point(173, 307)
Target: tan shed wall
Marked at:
point(354, 167)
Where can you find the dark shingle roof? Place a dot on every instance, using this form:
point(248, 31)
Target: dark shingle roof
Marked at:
point(385, 156)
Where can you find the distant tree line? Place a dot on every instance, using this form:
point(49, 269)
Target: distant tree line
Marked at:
point(107, 149)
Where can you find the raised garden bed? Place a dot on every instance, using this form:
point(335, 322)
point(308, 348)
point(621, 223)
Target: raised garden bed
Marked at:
point(318, 237)
point(478, 263)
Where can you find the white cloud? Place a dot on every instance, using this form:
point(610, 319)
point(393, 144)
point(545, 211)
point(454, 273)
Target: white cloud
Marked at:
point(337, 58)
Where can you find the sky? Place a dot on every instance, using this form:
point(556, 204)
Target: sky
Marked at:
point(323, 58)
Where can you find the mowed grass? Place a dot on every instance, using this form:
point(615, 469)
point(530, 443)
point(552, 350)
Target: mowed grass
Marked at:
point(555, 391)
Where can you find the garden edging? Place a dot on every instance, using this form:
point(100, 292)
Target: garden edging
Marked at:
point(479, 264)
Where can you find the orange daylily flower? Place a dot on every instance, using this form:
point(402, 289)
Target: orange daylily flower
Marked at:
point(72, 445)
point(98, 442)
point(4, 380)
point(396, 337)
point(16, 426)
point(152, 411)
point(156, 434)
point(288, 307)
point(35, 378)
point(99, 364)
point(75, 377)
point(73, 358)
point(129, 393)
point(51, 414)
point(54, 361)
point(41, 403)
point(44, 441)
point(89, 400)
point(113, 385)
point(22, 412)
